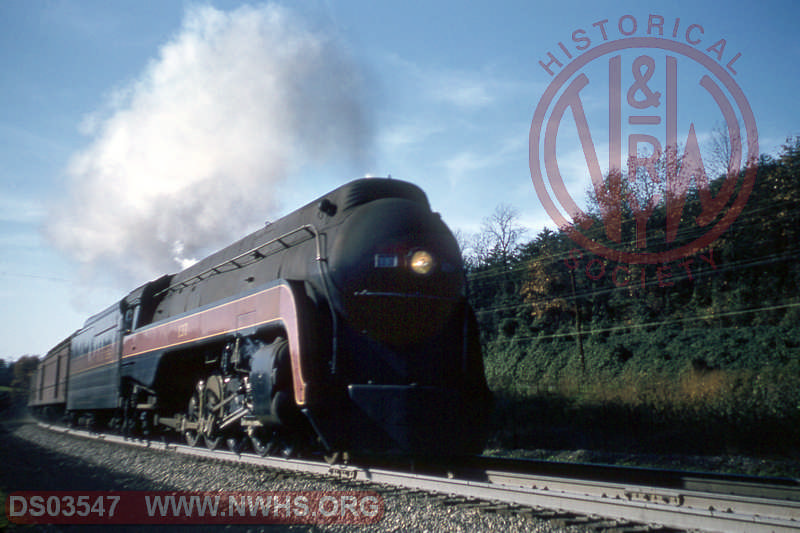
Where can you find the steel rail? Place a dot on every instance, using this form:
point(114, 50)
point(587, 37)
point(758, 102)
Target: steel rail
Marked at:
point(683, 508)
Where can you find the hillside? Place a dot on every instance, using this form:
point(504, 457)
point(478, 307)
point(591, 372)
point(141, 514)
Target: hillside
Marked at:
point(697, 355)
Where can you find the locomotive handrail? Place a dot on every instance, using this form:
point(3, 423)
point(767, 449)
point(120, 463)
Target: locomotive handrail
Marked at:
point(256, 254)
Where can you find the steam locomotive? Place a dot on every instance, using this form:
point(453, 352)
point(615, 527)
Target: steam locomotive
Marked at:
point(343, 326)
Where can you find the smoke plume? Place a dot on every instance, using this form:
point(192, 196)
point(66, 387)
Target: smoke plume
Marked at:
point(188, 156)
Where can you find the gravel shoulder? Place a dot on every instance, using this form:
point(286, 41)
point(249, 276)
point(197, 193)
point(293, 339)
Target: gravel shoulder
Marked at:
point(721, 464)
point(36, 459)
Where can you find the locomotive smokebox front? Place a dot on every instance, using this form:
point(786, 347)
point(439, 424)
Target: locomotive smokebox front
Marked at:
point(398, 270)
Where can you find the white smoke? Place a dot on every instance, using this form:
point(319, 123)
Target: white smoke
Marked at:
point(189, 155)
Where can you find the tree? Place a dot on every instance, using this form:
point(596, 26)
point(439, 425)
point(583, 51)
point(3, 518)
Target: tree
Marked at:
point(546, 285)
point(24, 369)
point(500, 235)
point(6, 373)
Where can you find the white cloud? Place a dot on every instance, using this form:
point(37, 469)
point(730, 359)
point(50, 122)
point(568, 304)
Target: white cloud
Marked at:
point(499, 154)
point(466, 90)
point(20, 210)
point(407, 134)
point(464, 163)
point(463, 90)
point(191, 152)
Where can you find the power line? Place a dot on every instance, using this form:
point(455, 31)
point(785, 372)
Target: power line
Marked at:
point(656, 324)
point(34, 276)
point(651, 282)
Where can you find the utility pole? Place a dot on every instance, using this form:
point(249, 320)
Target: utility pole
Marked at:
point(577, 322)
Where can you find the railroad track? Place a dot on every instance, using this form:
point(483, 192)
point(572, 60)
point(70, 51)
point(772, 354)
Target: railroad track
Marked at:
point(595, 496)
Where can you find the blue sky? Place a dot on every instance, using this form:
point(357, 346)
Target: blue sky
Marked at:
point(112, 109)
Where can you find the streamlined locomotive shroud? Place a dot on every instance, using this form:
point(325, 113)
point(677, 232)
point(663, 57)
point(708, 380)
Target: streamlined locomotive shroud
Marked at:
point(344, 323)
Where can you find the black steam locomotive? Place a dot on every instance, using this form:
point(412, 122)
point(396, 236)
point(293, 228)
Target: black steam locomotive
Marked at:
point(343, 324)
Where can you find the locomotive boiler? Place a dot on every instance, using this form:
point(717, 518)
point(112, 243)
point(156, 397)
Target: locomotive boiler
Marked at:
point(342, 326)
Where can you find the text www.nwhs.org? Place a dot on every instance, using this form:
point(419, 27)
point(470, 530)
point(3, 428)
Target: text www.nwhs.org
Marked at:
point(264, 507)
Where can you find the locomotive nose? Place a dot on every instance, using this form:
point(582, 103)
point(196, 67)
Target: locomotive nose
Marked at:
point(398, 270)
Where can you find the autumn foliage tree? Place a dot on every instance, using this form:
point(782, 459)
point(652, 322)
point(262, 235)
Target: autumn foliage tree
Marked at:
point(748, 275)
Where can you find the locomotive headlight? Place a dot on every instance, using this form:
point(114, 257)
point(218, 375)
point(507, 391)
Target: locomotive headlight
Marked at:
point(422, 262)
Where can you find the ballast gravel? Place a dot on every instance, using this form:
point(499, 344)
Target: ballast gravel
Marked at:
point(34, 458)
